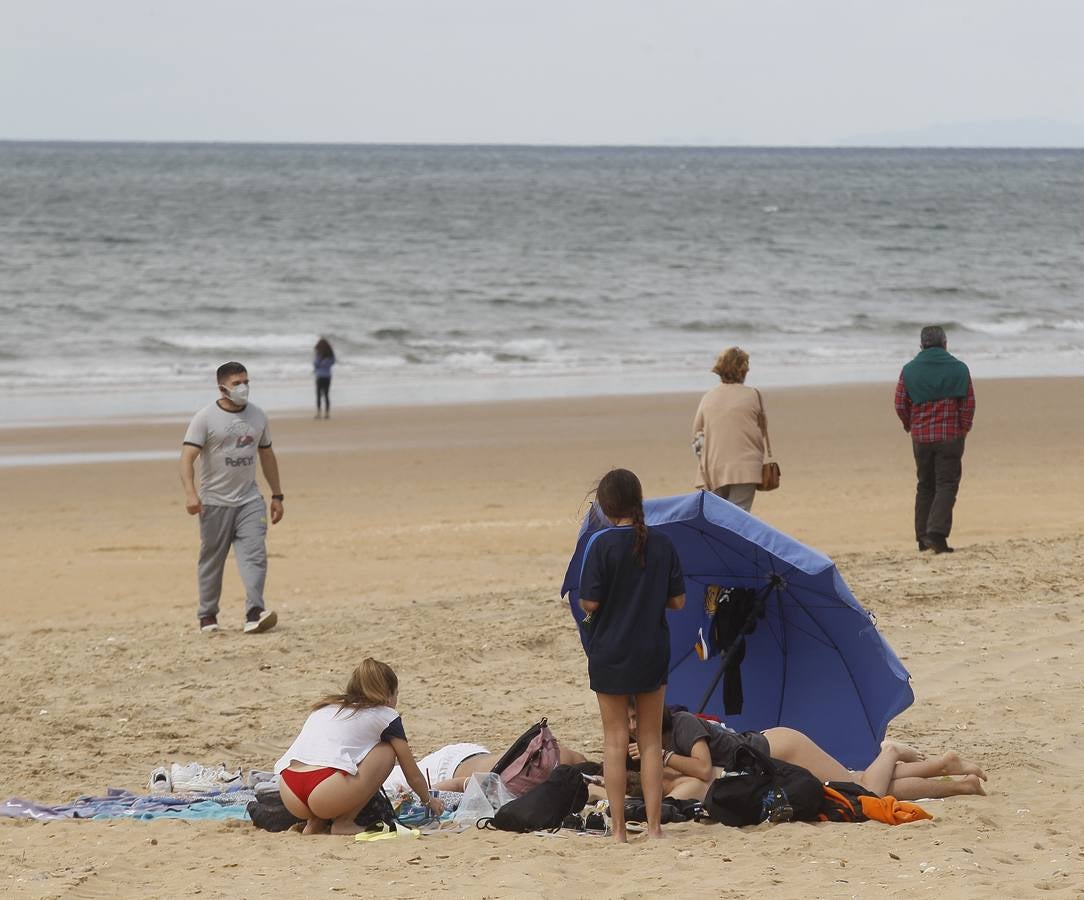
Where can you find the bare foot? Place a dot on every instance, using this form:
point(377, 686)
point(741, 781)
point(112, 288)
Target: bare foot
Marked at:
point(973, 785)
point(316, 826)
point(345, 828)
point(954, 764)
point(621, 836)
point(905, 752)
point(656, 835)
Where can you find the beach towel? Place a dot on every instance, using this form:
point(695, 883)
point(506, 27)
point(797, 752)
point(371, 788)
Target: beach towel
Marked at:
point(121, 804)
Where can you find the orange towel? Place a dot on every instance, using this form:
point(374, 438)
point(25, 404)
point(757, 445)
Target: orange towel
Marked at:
point(892, 811)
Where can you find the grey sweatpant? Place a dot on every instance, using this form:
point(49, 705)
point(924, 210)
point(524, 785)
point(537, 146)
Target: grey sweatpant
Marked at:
point(245, 529)
point(739, 494)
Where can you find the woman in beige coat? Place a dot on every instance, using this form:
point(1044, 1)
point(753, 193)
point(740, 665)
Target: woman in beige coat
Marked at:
point(729, 417)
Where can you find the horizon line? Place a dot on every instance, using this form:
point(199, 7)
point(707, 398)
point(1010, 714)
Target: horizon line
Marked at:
point(176, 142)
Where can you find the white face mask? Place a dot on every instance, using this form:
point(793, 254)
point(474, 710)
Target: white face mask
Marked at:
point(238, 394)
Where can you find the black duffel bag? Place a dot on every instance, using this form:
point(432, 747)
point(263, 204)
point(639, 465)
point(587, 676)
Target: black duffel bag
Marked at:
point(764, 790)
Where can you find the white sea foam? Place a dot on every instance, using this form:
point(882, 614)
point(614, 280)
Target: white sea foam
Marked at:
point(1004, 327)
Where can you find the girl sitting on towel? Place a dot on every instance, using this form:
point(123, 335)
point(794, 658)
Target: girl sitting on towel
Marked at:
point(345, 750)
point(630, 578)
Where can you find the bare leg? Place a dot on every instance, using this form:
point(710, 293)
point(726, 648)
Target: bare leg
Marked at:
point(570, 757)
point(878, 776)
point(340, 798)
point(936, 788)
point(615, 737)
point(479, 763)
point(649, 740)
point(950, 763)
point(316, 826)
point(798, 749)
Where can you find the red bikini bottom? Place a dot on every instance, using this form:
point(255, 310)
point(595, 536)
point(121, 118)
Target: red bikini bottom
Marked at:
point(304, 783)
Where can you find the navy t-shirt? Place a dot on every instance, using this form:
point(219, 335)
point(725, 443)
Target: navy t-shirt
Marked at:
point(628, 646)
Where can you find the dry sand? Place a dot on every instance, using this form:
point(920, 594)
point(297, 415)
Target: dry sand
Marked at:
point(436, 538)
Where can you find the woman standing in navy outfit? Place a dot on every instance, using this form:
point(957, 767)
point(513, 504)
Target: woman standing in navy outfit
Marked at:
point(323, 358)
point(630, 578)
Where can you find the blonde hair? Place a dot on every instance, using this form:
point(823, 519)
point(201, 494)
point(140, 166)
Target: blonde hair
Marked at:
point(373, 683)
point(732, 366)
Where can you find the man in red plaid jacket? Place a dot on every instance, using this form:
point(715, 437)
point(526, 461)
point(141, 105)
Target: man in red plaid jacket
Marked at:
point(935, 400)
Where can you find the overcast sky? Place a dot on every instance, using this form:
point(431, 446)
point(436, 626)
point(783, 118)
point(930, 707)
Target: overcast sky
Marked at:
point(791, 72)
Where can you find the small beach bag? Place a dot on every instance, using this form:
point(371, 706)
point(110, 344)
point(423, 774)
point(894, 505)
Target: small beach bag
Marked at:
point(483, 796)
point(563, 793)
point(769, 472)
point(529, 761)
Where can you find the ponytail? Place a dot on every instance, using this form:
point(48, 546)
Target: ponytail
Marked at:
point(639, 547)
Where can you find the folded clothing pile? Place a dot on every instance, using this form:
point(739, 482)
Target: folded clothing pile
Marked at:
point(193, 777)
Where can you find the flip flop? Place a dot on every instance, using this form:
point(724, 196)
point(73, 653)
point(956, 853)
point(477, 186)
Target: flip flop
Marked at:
point(387, 833)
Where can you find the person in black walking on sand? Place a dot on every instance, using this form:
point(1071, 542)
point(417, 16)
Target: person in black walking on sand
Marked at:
point(935, 400)
point(323, 358)
point(630, 578)
point(228, 436)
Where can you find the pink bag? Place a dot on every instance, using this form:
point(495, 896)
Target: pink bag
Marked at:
point(529, 761)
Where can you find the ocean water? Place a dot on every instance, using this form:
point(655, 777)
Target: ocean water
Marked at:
point(129, 272)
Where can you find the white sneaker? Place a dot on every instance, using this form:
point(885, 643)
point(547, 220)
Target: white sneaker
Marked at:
point(160, 782)
point(267, 620)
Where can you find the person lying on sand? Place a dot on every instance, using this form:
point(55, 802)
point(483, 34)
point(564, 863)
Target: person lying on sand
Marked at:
point(450, 767)
point(695, 752)
point(345, 750)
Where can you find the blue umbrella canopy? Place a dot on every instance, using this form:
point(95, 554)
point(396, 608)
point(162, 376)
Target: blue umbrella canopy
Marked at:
point(814, 660)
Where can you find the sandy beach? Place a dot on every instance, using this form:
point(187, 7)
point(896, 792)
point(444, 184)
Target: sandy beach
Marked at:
point(436, 538)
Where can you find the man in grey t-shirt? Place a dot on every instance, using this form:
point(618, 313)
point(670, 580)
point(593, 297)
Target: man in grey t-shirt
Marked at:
point(228, 436)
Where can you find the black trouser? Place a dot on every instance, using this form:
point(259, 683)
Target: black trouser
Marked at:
point(323, 389)
point(939, 467)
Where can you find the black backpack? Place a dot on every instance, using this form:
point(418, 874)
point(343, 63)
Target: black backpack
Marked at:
point(765, 789)
point(545, 806)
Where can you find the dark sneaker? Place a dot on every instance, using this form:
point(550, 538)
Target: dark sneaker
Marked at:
point(207, 624)
point(258, 620)
point(921, 545)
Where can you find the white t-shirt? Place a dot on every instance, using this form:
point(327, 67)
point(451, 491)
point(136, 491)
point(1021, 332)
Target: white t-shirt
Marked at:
point(228, 442)
point(341, 738)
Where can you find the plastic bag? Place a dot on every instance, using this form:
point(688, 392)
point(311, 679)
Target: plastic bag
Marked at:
point(485, 793)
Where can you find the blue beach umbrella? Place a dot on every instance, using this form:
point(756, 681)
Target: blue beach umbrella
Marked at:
point(813, 661)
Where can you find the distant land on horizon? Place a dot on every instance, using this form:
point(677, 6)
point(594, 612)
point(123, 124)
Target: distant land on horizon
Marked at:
point(1029, 133)
point(1005, 133)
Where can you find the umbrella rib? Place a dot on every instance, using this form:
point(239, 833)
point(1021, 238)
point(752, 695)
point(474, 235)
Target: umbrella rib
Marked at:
point(831, 643)
point(703, 537)
point(834, 599)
